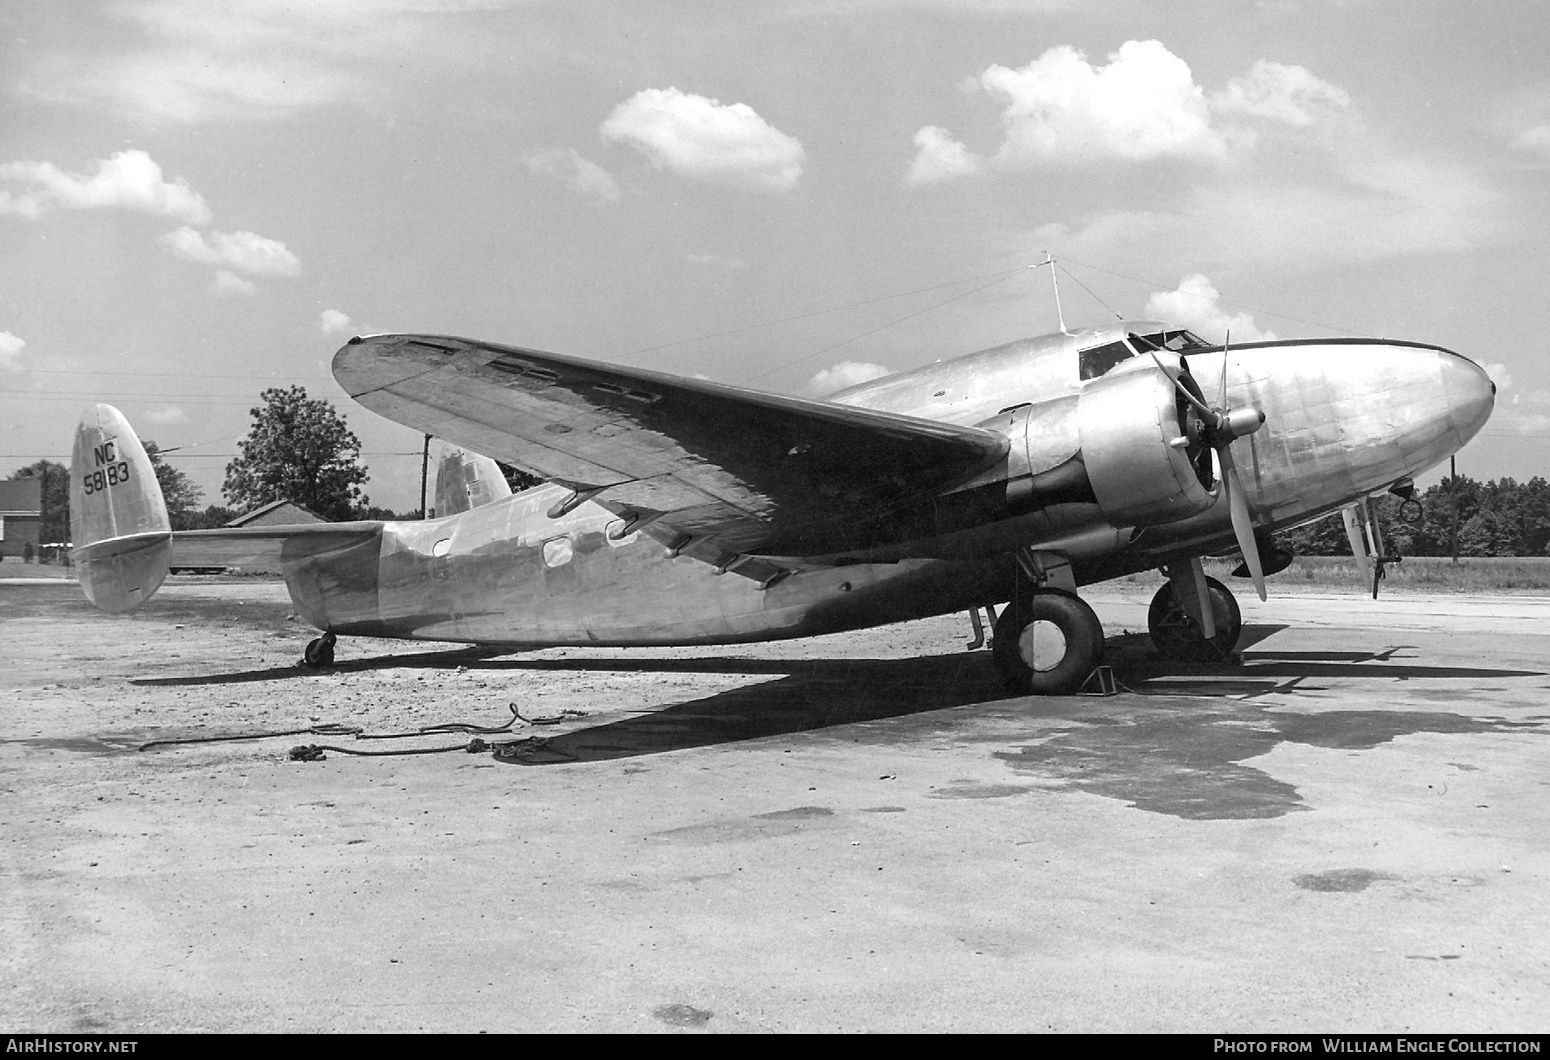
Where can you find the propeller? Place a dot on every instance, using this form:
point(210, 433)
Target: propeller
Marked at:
point(1219, 428)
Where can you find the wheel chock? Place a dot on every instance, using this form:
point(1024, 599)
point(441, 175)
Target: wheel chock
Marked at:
point(1100, 683)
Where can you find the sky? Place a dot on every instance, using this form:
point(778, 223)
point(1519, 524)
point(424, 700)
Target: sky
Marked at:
point(203, 198)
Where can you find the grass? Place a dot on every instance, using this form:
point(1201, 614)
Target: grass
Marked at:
point(1417, 574)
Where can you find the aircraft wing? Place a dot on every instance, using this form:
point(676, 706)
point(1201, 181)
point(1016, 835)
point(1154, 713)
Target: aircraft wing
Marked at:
point(719, 469)
point(246, 546)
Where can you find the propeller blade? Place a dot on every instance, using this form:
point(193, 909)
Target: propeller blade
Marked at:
point(1353, 533)
point(1200, 406)
point(1242, 526)
point(1227, 342)
point(1203, 594)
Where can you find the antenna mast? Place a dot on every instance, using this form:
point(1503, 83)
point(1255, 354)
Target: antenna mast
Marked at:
point(1059, 314)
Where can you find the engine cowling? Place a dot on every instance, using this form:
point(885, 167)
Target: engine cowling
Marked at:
point(1129, 422)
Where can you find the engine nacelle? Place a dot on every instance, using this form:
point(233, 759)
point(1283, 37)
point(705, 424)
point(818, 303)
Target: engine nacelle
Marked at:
point(1130, 421)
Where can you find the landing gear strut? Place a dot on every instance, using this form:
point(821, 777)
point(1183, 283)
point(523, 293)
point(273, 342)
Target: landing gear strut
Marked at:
point(319, 654)
point(1178, 636)
point(1047, 642)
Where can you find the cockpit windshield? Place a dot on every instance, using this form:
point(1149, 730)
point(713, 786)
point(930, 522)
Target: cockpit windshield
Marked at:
point(1179, 341)
point(1097, 360)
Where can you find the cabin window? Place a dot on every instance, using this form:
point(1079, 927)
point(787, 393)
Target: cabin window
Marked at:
point(557, 552)
point(1099, 359)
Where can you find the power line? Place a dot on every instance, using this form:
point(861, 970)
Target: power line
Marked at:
point(820, 312)
point(1221, 301)
point(854, 338)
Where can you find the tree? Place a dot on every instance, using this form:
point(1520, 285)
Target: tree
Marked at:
point(55, 526)
point(212, 518)
point(177, 489)
point(300, 450)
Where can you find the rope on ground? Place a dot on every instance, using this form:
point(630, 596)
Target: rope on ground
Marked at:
point(313, 752)
point(512, 749)
point(332, 729)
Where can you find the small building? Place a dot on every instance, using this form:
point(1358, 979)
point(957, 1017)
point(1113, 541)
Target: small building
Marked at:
point(21, 515)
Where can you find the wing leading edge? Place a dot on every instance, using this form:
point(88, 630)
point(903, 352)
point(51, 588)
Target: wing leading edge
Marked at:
point(720, 470)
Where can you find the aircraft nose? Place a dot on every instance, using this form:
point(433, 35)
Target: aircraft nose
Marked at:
point(1470, 394)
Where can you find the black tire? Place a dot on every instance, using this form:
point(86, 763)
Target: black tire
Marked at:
point(319, 654)
point(1177, 636)
point(1047, 642)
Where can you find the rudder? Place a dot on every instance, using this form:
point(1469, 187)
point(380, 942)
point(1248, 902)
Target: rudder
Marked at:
point(467, 480)
point(121, 536)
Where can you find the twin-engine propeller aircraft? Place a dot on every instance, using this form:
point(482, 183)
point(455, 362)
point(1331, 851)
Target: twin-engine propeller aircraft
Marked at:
point(679, 511)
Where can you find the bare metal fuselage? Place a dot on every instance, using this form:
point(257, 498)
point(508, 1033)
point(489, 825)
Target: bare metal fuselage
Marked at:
point(1346, 418)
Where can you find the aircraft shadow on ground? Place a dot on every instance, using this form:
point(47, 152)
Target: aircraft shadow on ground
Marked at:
point(815, 695)
point(1177, 742)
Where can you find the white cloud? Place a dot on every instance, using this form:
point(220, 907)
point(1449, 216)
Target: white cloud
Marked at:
point(11, 351)
point(1287, 94)
point(333, 322)
point(581, 175)
point(1370, 209)
point(220, 60)
point(1193, 304)
point(230, 283)
point(196, 87)
point(129, 180)
point(1523, 411)
point(1063, 110)
point(166, 415)
point(704, 139)
point(1143, 105)
point(843, 375)
point(1499, 375)
point(240, 250)
point(1534, 141)
point(940, 158)
point(716, 260)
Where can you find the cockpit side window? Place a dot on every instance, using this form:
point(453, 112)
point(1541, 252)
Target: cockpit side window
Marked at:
point(1179, 341)
point(1099, 359)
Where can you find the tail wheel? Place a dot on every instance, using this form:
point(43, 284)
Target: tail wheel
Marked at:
point(1178, 636)
point(1047, 643)
point(319, 653)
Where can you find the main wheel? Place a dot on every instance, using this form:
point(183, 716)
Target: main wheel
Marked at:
point(1047, 642)
point(319, 653)
point(1178, 636)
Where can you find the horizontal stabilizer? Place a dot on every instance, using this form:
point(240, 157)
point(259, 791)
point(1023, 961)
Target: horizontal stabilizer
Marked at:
point(267, 546)
point(118, 520)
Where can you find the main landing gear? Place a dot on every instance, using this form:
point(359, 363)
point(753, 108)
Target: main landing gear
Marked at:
point(1178, 636)
point(319, 654)
point(1047, 642)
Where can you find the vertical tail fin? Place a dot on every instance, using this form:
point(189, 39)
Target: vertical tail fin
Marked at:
point(467, 480)
point(118, 521)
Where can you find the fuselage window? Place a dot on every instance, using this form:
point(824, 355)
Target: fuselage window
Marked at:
point(557, 552)
point(1094, 362)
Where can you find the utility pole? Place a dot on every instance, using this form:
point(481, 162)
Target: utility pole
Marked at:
point(1453, 496)
point(425, 469)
